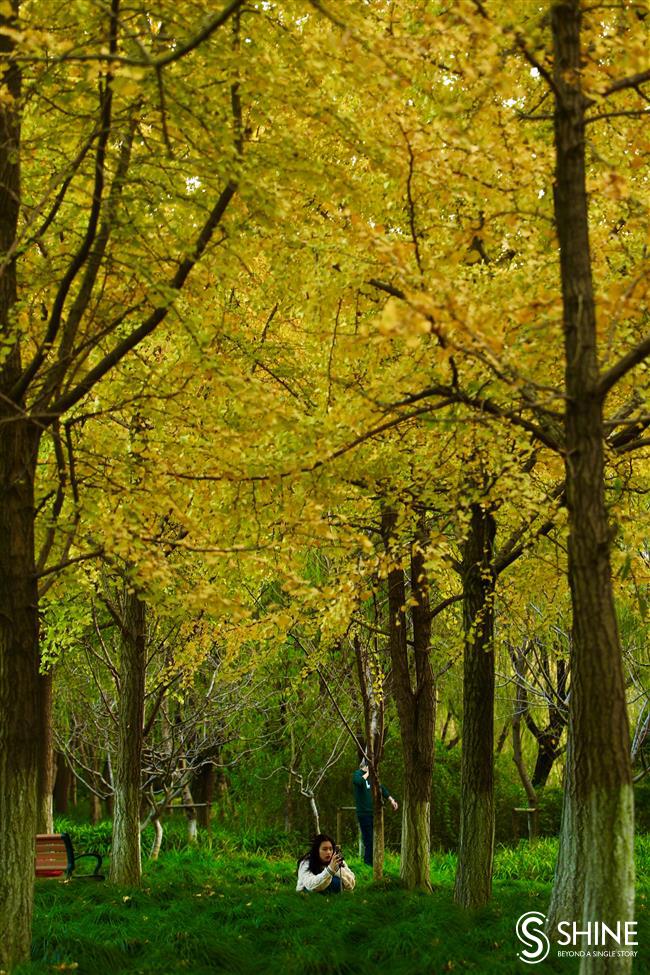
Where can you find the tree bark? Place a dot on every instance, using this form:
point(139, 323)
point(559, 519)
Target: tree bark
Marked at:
point(476, 847)
point(599, 806)
point(419, 748)
point(547, 753)
point(224, 803)
point(46, 766)
point(416, 707)
point(289, 805)
point(204, 784)
point(190, 815)
point(92, 759)
point(378, 837)
point(503, 737)
point(521, 704)
point(125, 855)
point(548, 739)
point(109, 799)
point(567, 895)
point(20, 716)
point(314, 811)
point(61, 784)
point(157, 838)
point(373, 699)
point(95, 809)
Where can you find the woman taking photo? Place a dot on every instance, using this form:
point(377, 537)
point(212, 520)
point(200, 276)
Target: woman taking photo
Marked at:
point(323, 868)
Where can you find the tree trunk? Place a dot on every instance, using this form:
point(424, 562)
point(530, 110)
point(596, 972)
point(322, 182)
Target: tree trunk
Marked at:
point(548, 738)
point(314, 811)
point(289, 792)
point(125, 855)
point(61, 784)
point(568, 891)
point(373, 699)
point(416, 708)
point(419, 746)
point(289, 805)
point(415, 859)
point(204, 791)
point(157, 838)
point(378, 841)
point(109, 800)
point(20, 717)
point(503, 737)
point(546, 755)
point(46, 766)
point(600, 796)
point(521, 703)
point(95, 809)
point(190, 815)
point(476, 847)
point(93, 762)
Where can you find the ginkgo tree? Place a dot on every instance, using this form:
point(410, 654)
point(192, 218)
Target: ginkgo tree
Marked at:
point(94, 253)
point(519, 186)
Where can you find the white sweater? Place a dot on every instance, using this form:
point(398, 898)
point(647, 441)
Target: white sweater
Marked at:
point(320, 881)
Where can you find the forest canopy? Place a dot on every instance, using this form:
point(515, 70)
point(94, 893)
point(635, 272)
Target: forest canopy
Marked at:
point(324, 420)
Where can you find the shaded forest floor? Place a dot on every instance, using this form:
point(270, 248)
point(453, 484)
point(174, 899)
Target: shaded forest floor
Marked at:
point(204, 911)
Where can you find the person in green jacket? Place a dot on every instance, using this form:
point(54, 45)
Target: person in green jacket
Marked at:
point(363, 804)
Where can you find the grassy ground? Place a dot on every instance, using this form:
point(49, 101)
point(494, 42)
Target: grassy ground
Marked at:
point(210, 910)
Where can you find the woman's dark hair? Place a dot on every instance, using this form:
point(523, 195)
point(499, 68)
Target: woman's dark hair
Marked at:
point(314, 860)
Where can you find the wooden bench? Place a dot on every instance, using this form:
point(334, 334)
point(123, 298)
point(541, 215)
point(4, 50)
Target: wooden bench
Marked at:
point(55, 857)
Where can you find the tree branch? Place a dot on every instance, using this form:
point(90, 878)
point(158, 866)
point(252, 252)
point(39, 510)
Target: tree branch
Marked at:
point(517, 544)
point(623, 366)
point(158, 315)
point(78, 261)
point(213, 24)
point(631, 81)
point(484, 405)
point(113, 58)
point(66, 562)
point(630, 113)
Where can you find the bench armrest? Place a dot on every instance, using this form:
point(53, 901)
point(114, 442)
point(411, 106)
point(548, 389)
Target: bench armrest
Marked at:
point(97, 856)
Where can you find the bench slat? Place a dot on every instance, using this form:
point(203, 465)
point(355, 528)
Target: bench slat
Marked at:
point(54, 857)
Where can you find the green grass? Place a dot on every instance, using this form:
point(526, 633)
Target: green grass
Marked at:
point(215, 909)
